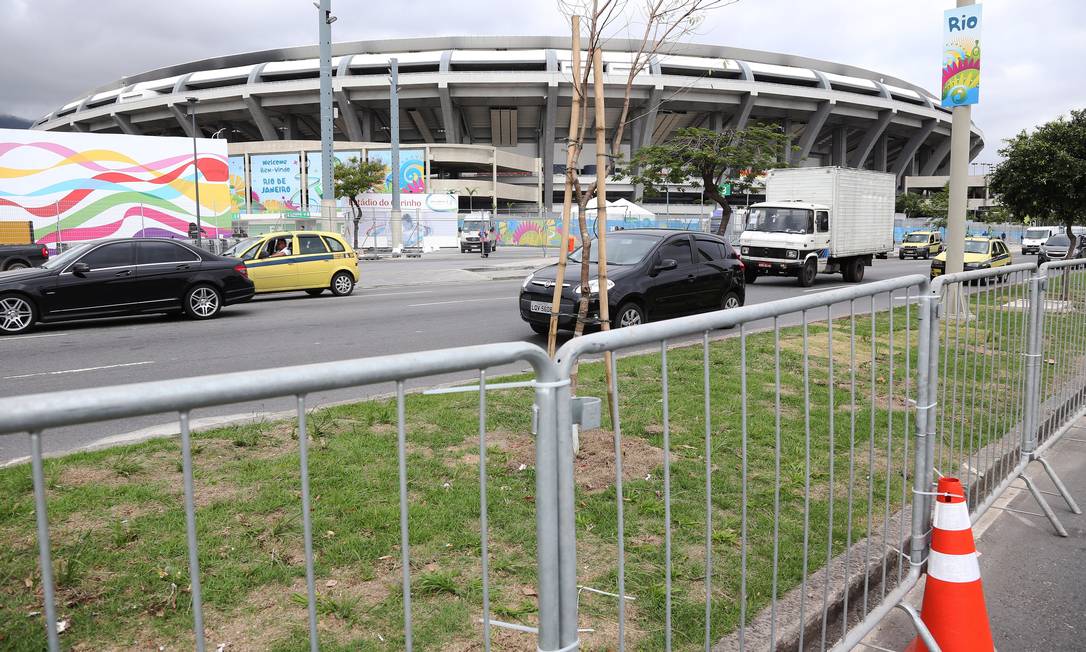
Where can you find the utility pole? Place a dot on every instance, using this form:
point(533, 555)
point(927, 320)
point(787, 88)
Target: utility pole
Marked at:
point(325, 20)
point(195, 165)
point(395, 222)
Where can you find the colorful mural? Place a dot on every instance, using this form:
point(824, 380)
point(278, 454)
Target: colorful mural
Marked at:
point(412, 169)
point(237, 183)
point(313, 162)
point(79, 186)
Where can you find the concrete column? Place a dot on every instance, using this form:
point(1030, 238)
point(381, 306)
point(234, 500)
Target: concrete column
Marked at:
point(840, 146)
point(882, 146)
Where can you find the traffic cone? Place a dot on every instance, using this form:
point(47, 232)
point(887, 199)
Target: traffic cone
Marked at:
point(953, 608)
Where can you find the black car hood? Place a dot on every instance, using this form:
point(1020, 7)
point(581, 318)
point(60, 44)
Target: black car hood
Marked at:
point(573, 272)
point(16, 276)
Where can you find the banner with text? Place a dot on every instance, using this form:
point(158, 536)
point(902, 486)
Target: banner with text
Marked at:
point(961, 56)
point(275, 181)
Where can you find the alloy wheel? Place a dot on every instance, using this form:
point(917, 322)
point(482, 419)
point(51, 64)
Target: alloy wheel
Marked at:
point(204, 302)
point(731, 301)
point(629, 317)
point(16, 314)
point(343, 284)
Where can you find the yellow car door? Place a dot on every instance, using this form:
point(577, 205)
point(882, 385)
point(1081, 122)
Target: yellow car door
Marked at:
point(270, 272)
point(315, 264)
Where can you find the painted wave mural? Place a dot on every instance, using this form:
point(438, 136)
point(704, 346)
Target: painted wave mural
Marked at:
point(76, 187)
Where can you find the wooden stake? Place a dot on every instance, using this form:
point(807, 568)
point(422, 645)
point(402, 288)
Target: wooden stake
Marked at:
point(567, 198)
point(601, 212)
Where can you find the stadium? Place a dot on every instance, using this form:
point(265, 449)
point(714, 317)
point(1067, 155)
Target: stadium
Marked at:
point(487, 115)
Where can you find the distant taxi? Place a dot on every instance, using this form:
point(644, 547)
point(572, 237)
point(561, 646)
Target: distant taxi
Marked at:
point(312, 261)
point(920, 244)
point(980, 253)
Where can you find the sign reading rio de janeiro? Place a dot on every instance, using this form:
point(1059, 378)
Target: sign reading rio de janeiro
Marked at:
point(961, 56)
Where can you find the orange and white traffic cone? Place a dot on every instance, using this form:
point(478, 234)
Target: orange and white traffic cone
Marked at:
point(953, 608)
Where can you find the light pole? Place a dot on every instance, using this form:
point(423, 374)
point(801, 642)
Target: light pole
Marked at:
point(195, 165)
point(325, 20)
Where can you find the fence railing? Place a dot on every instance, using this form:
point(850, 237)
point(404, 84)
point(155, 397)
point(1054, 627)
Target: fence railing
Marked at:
point(770, 486)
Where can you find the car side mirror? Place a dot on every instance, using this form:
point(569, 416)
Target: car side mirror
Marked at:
point(665, 264)
point(79, 269)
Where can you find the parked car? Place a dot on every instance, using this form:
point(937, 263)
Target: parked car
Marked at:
point(980, 253)
point(21, 256)
point(122, 277)
point(313, 261)
point(1055, 248)
point(920, 244)
point(651, 274)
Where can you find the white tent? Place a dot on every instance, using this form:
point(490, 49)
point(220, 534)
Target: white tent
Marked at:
point(619, 210)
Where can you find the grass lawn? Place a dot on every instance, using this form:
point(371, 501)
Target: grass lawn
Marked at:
point(117, 520)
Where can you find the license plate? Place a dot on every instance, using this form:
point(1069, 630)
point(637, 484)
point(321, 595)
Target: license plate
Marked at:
point(765, 264)
point(540, 306)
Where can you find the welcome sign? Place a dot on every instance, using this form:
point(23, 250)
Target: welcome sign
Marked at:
point(961, 56)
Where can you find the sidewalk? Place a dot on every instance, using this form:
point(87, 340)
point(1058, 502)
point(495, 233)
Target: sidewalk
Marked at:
point(446, 267)
point(1034, 580)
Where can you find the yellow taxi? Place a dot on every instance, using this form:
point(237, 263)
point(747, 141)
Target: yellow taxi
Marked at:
point(920, 244)
point(980, 253)
point(313, 261)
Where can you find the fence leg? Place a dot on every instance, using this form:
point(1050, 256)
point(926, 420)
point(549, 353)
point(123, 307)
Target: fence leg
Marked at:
point(1044, 506)
point(1071, 504)
point(921, 628)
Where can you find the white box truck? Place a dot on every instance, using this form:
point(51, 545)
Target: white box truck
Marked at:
point(1035, 236)
point(819, 220)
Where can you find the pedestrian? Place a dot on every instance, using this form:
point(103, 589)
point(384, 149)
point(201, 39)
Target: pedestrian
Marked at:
point(1003, 236)
point(493, 239)
point(484, 246)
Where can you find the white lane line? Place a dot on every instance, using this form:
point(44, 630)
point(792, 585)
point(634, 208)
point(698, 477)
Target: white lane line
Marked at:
point(442, 303)
point(30, 337)
point(393, 294)
point(76, 371)
point(824, 289)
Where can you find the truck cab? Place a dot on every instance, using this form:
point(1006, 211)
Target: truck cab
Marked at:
point(787, 239)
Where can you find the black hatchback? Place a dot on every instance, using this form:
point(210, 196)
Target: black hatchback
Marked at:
point(651, 274)
point(122, 277)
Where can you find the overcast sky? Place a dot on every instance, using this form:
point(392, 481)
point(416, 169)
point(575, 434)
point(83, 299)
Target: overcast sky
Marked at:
point(1033, 51)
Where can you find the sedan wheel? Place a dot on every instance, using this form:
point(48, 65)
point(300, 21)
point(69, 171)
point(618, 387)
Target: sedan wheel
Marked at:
point(630, 314)
point(203, 302)
point(16, 265)
point(342, 284)
point(731, 300)
point(16, 315)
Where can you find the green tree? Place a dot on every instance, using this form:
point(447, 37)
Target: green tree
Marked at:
point(1043, 174)
point(355, 178)
point(936, 207)
point(703, 158)
point(909, 203)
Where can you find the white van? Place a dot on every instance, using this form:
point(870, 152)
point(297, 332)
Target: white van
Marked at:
point(1035, 236)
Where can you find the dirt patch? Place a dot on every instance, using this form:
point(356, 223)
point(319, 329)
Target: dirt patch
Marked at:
point(78, 476)
point(79, 522)
point(594, 466)
point(518, 447)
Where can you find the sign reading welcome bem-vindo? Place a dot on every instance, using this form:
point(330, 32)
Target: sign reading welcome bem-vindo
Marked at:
point(961, 56)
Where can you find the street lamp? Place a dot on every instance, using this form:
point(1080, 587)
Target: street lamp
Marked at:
point(195, 167)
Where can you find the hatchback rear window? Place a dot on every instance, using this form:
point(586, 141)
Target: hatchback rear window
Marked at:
point(333, 244)
point(311, 244)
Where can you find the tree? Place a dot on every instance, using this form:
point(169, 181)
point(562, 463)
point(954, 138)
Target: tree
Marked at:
point(703, 158)
point(909, 203)
point(937, 206)
point(1043, 174)
point(355, 178)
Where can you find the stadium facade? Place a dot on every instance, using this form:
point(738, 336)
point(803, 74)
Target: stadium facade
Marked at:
point(490, 113)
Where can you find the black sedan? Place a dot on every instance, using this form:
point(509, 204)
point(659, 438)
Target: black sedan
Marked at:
point(651, 274)
point(121, 277)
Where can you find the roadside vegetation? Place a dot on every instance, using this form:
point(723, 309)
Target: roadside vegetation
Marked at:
point(117, 520)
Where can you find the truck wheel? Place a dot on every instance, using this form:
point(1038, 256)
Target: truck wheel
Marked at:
point(750, 276)
point(807, 273)
point(18, 264)
point(854, 270)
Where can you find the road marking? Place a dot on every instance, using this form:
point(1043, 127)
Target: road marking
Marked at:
point(441, 303)
point(394, 294)
point(30, 337)
point(76, 371)
point(832, 287)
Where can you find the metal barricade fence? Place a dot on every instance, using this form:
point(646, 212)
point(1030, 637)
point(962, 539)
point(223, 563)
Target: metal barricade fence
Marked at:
point(767, 487)
point(36, 414)
point(789, 464)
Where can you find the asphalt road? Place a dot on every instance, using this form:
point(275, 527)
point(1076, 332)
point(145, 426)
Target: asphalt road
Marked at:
point(293, 329)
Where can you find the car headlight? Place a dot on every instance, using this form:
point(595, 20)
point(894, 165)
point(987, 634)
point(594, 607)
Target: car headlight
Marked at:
point(791, 253)
point(527, 281)
point(744, 250)
point(594, 286)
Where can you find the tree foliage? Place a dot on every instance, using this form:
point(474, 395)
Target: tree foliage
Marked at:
point(355, 178)
point(909, 203)
point(703, 158)
point(1043, 174)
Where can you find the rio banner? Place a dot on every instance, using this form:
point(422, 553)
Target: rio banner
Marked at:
point(961, 56)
